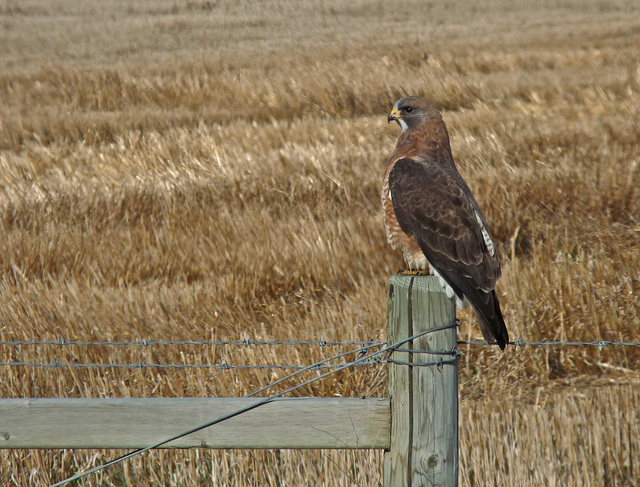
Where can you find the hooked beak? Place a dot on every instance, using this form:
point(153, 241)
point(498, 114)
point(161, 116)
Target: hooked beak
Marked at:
point(394, 115)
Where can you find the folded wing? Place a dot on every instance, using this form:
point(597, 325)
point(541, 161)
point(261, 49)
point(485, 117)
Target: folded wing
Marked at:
point(434, 205)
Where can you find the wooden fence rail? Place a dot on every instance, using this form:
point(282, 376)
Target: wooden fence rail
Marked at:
point(417, 425)
point(137, 423)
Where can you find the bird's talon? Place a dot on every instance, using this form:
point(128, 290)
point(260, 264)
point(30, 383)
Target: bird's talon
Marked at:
point(409, 272)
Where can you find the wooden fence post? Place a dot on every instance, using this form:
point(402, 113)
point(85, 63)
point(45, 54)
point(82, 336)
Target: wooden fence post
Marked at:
point(424, 399)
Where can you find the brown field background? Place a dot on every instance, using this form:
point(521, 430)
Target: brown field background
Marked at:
point(198, 170)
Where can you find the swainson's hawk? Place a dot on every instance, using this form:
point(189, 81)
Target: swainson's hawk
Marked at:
point(432, 217)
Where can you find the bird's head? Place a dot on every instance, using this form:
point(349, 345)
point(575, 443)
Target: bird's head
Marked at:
point(413, 111)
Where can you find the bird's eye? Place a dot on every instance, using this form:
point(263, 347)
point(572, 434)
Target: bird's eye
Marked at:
point(408, 109)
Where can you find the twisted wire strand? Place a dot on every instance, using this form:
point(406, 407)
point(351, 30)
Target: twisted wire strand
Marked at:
point(151, 343)
point(143, 365)
point(364, 345)
point(556, 343)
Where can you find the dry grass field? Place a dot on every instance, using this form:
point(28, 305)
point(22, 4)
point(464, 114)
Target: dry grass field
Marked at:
point(196, 170)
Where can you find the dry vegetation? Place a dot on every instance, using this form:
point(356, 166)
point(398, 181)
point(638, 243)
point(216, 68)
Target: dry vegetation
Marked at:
point(193, 170)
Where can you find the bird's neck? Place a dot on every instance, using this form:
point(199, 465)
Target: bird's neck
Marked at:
point(429, 140)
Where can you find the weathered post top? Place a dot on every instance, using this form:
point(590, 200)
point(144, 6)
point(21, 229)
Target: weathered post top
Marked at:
point(424, 396)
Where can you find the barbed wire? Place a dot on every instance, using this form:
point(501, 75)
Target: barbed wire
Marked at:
point(320, 343)
point(556, 343)
point(150, 343)
point(143, 365)
point(363, 356)
point(251, 342)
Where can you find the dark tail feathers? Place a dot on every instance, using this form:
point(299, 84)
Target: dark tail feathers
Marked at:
point(492, 323)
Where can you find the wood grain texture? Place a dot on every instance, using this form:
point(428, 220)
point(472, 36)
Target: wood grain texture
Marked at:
point(135, 423)
point(424, 400)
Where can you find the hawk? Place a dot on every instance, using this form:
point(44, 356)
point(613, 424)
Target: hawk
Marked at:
point(432, 217)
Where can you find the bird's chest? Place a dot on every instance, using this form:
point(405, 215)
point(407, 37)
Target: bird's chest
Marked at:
point(390, 221)
point(398, 240)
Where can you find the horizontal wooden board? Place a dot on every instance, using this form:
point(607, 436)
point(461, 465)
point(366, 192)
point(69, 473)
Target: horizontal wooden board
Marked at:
point(138, 423)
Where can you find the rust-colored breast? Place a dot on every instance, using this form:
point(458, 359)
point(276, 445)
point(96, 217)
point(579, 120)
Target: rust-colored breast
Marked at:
point(411, 252)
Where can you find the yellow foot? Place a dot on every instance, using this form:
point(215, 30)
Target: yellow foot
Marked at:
point(407, 272)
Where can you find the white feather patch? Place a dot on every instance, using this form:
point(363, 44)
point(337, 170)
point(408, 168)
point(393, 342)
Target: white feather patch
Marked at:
point(485, 235)
point(403, 124)
point(460, 303)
